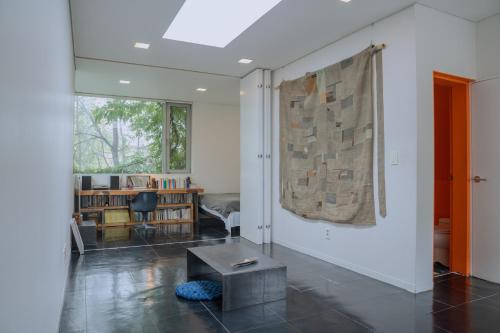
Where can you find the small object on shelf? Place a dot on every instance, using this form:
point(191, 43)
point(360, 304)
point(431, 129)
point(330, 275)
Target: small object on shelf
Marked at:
point(86, 183)
point(114, 182)
point(137, 181)
point(245, 262)
point(77, 217)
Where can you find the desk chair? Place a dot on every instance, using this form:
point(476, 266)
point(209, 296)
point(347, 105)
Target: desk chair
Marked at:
point(144, 202)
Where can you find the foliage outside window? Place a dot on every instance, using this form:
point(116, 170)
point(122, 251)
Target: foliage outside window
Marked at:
point(178, 133)
point(118, 135)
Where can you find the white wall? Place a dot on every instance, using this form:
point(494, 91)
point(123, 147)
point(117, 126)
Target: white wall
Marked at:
point(215, 150)
point(385, 251)
point(36, 120)
point(398, 250)
point(488, 47)
point(446, 44)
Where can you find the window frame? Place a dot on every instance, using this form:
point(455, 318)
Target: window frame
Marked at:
point(166, 133)
point(166, 115)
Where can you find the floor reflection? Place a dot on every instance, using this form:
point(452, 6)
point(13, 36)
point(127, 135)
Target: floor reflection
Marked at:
point(206, 229)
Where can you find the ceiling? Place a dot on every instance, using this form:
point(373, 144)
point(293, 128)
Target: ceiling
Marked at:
point(107, 30)
point(101, 78)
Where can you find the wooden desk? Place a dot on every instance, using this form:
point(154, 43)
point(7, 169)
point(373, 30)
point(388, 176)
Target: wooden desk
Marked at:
point(99, 201)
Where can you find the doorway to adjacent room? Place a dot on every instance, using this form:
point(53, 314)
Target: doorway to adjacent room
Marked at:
point(452, 173)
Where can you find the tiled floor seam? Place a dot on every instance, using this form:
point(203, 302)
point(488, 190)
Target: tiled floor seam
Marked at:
point(353, 320)
point(442, 328)
point(85, 302)
point(259, 326)
point(475, 300)
point(217, 319)
point(159, 244)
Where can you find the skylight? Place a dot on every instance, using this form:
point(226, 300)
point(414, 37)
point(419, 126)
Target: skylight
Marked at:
point(216, 22)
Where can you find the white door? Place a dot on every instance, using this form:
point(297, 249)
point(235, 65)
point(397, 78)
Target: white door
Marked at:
point(251, 157)
point(485, 163)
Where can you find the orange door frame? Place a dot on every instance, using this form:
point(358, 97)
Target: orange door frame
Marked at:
point(460, 170)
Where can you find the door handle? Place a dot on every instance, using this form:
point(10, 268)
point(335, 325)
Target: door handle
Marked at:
point(478, 179)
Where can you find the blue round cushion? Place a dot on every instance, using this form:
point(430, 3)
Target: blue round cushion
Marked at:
point(199, 290)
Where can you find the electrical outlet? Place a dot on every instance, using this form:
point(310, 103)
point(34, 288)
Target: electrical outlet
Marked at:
point(327, 233)
point(394, 157)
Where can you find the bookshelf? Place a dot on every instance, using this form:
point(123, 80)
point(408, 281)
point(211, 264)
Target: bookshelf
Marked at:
point(110, 208)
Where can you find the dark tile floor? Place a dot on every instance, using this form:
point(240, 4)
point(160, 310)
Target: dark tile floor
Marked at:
point(208, 228)
point(132, 290)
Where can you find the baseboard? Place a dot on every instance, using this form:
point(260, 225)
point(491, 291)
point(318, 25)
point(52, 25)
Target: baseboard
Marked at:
point(353, 267)
point(67, 262)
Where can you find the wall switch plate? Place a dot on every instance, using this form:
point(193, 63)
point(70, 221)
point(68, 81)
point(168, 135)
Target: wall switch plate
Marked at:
point(394, 157)
point(327, 233)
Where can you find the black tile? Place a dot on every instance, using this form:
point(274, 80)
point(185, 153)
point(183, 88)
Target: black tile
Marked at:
point(445, 294)
point(330, 321)
point(160, 273)
point(340, 275)
point(133, 290)
point(170, 251)
point(139, 254)
point(169, 306)
point(118, 315)
point(471, 285)
point(74, 299)
point(495, 298)
point(197, 322)
point(72, 320)
point(401, 312)
point(357, 291)
point(274, 328)
point(307, 280)
point(477, 316)
point(444, 277)
point(298, 305)
point(76, 282)
point(245, 318)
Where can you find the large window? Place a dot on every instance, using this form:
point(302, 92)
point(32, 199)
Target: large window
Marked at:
point(132, 136)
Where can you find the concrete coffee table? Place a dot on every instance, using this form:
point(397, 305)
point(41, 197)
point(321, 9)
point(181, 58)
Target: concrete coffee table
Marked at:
point(262, 282)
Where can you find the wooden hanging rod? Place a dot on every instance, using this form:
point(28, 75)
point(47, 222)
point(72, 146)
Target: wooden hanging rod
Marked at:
point(379, 47)
point(376, 48)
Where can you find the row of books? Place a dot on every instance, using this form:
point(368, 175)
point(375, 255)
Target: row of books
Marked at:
point(165, 215)
point(118, 200)
point(175, 198)
point(103, 201)
point(173, 214)
point(173, 183)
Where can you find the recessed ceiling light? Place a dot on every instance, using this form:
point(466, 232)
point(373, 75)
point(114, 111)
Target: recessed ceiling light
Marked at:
point(124, 81)
point(141, 45)
point(201, 89)
point(346, 1)
point(245, 61)
point(216, 22)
